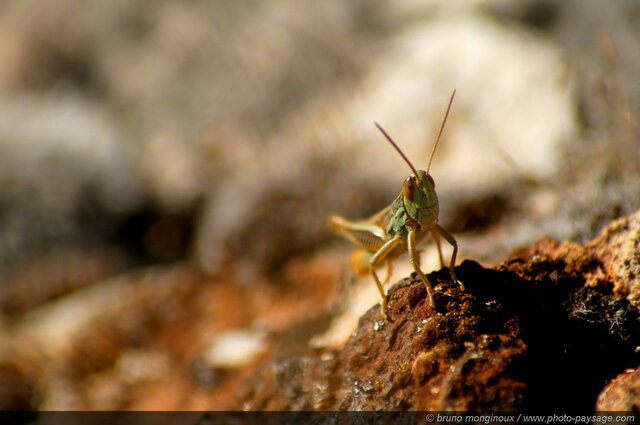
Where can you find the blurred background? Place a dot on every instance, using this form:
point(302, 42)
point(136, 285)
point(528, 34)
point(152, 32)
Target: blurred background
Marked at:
point(167, 169)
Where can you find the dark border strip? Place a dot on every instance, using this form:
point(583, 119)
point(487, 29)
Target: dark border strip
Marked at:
point(312, 418)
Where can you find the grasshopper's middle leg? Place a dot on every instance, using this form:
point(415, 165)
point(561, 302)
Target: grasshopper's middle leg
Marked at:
point(452, 241)
point(413, 254)
point(436, 238)
point(380, 255)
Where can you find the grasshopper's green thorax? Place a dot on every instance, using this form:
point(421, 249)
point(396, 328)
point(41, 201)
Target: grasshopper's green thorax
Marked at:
point(416, 205)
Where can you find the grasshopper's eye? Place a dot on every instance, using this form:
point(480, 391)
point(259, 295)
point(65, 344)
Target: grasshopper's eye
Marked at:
point(408, 188)
point(433, 184)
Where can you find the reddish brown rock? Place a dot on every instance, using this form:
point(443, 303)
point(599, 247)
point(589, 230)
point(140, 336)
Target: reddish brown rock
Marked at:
point(622, 394)
point(458, 357)
point(545, 330)
point(611, 261)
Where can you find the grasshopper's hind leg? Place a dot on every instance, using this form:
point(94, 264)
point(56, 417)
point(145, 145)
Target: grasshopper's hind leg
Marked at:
point(452, 241)
point(389, 272)
point(413, 254)
point(380, 255)
point(361, 264)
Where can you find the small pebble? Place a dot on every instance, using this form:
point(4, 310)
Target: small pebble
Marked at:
point(326, 357)
point(234, 349)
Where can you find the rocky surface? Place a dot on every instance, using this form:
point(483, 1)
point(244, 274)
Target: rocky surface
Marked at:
point(457, 357)
point(545, 330)
point(622, 393)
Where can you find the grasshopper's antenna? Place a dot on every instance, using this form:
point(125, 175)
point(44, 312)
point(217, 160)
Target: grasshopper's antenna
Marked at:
point(399, 151)
point(441, 128)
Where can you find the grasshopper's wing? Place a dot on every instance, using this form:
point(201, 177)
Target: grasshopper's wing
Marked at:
point(380, 218)
point(366, 234)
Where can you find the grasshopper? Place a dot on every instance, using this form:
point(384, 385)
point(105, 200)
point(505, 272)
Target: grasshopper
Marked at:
point(400, 226)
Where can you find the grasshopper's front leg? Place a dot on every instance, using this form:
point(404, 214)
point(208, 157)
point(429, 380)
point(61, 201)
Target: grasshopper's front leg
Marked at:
point(380, 255)
point(413, 255)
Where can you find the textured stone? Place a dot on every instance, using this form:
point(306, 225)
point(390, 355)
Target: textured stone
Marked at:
point(545, 330)
point(621, 394)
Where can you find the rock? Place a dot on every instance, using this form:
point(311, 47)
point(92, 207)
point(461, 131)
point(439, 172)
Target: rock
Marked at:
point(234, 349)
point(621, 253)
point(521, 336)
point(622, 394)
point(460, 357)
point(16, 390)
point(73, 162)
point(610, 261)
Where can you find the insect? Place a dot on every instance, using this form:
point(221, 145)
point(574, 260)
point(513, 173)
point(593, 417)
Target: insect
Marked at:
point(402, 225)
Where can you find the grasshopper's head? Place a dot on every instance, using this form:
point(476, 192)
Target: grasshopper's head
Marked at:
point(415, 186)
point(419, 197)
